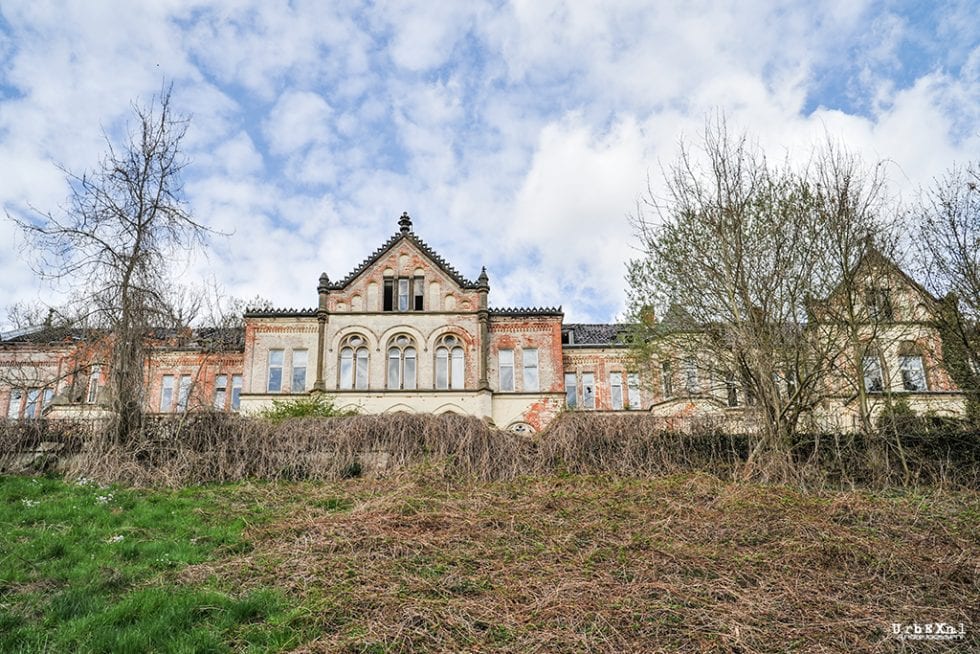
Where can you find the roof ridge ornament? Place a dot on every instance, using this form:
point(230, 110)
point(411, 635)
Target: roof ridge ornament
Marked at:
point(405, 223)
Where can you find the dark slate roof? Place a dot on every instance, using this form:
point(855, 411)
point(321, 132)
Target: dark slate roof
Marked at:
point(518, 312)
point(47, 334)
point(222, 338)
point(421, 245)
point(596, 334)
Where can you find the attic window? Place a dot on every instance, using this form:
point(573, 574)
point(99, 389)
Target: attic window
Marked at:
point(567, 337)
point(879, 303)
point(403, 294)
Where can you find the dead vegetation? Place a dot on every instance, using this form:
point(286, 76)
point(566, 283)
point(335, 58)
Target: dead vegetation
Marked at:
point(685, 563)
point(212, 447)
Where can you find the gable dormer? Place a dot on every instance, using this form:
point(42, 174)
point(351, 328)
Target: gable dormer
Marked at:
point(881, 293)
point(404, 275)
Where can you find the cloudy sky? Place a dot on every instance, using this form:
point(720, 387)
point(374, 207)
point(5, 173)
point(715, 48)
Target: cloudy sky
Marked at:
point(518, 135)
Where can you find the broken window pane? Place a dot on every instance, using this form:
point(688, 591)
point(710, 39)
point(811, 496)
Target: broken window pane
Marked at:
point(873, 382)
point(913, 373)
point(419, 284)
point(588, 390)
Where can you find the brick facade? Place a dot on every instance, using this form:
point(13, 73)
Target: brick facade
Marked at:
point(405, 331)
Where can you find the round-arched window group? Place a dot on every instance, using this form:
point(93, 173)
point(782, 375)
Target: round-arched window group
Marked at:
point(401, 363)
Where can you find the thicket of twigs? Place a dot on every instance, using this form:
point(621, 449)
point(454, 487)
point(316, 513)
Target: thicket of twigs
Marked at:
point(211, 447)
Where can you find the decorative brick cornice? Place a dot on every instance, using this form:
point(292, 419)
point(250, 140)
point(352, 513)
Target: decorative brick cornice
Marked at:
point(521, 312)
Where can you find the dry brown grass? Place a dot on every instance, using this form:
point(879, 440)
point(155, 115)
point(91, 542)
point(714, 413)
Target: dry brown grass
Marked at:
point(208, 447)
point(561, 564)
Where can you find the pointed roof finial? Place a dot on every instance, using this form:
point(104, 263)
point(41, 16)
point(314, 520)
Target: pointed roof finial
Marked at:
point(324, 283)
point(405, 223)
point(483, 281)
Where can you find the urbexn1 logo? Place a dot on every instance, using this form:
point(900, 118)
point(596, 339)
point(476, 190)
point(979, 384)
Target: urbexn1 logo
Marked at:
point(928, 631)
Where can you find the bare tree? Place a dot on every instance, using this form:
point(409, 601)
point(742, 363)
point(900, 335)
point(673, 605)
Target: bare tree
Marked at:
point(949, 252)
point(745, 247)
point(115, 240)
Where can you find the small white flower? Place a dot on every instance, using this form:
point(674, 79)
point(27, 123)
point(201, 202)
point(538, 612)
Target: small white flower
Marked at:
point(115, 539)
point(103, 499)
point(30, 503)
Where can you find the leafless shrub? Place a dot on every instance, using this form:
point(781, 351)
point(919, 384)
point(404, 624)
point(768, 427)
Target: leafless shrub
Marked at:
point(214, 448)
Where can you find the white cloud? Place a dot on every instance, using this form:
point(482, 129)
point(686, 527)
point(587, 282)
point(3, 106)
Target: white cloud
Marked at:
point(519, 136)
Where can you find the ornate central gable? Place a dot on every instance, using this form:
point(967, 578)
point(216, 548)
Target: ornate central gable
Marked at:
point(404, 274)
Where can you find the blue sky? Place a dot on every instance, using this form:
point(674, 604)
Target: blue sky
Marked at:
point(518, 135)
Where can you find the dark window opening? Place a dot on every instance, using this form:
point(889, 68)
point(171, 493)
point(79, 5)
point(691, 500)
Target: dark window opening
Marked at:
point(419, 293)
point(389, 295)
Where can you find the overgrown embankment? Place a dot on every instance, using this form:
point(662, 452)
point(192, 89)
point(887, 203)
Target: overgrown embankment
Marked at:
point(208, 447)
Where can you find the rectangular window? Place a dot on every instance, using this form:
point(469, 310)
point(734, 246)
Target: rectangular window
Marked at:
point(299, 371)
point(873, 381)
point(93, 384)
point(588, 390)
point(571, 390)
point(616, 390)
point(633, 386)
point(220, 392)
point(236, 392)
point(665, 379)
point(48, 396)
point(731, 391)
point(691, 375)
point(13, 409)
point(403, 294)
point(167, 393)
point(913, 373)
point(183, 392)
point(33, 407)
point(275, 371)
point(879, 303)
point(389, 294)
point(530, 356)
point(506, 359)
point(419, 285)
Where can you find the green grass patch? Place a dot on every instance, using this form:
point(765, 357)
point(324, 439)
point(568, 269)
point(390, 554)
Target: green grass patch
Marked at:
point(95, 569)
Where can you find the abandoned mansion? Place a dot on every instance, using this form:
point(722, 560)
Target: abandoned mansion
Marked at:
point(405, 331)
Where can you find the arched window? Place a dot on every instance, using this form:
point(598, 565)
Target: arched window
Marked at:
point(354, 363)
point(449, 363)
point(401, 363)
